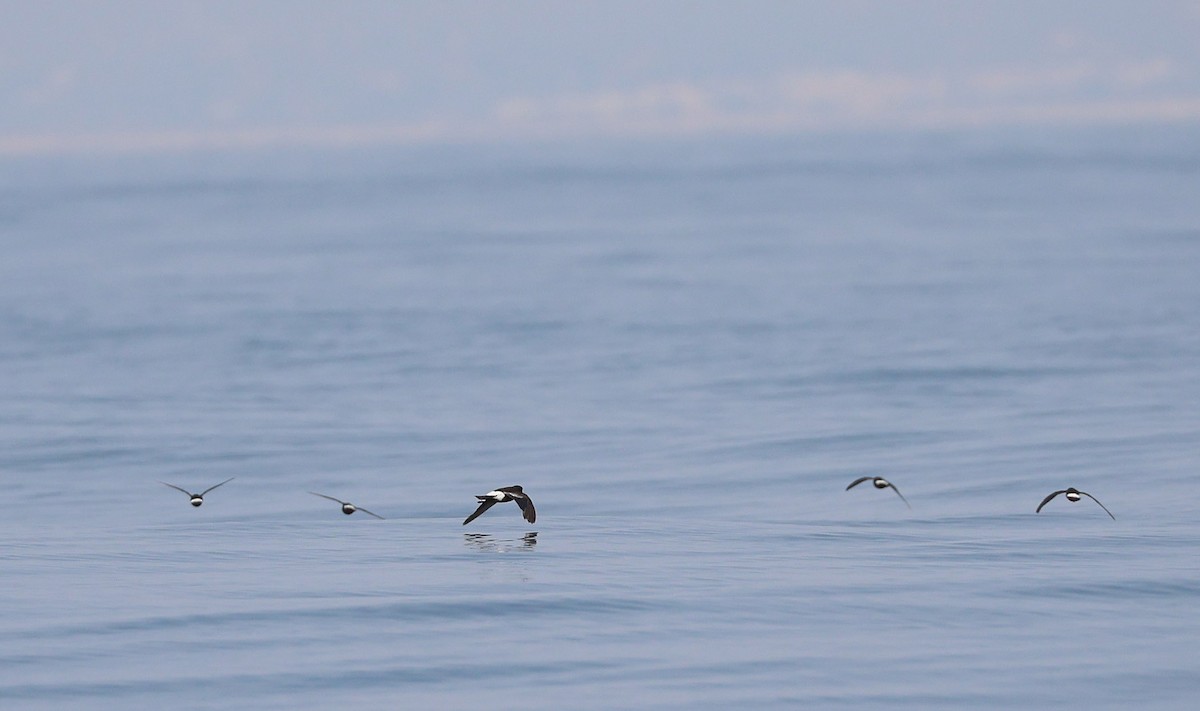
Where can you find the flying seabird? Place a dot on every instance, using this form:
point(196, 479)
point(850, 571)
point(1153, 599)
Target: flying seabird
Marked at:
point(197, 499)
point(347, 507)
point(1074, 494)
point(880, 483)
point(504, 493)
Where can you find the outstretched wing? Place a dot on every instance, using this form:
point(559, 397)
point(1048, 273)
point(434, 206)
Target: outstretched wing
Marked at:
point(1093, 498)
point(202, 493)
point(176, 488)
point(858, 481)
point(483, 506)
point(359, 508)
point(893, 487)
point(1047, 500)
point(323, 496)
point(527, 509)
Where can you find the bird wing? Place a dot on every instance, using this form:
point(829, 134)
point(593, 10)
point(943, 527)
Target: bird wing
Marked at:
point(1093, 498)
point(359, 508)
point(893, 487)
point(858, 481)
point(1047, 500)
point(202, 493)
point(527, 509)
point(176, 488)
point(483, 506)
point(323, 496)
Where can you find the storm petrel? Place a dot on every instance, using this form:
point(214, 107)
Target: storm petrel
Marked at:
point(1074, 494)
point(347, 507)
point(880, 483)
point(197, 499)
point(504, 493)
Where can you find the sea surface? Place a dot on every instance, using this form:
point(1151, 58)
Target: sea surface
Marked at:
point(684, 351)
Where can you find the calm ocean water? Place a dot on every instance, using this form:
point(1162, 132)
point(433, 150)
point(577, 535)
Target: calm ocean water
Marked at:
point(683, 351)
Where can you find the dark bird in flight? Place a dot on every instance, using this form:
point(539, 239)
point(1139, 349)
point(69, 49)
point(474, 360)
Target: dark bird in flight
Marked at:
point(1074, 494)
point(197, 499)
point(880, 483)
point(347, 507)
point(504, 493)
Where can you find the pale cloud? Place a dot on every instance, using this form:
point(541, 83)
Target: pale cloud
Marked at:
point(1139, 91)
point(177, 141)
point(1100, 112)
point(1078, 92)
point(801, 100)
point(855, 94)
point(1018, 80)
point(1139, 74)
point(1066, 40)
point(1074, 77)
point(679, 104)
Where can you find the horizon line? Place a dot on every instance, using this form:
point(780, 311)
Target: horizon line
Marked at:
point(501, 130)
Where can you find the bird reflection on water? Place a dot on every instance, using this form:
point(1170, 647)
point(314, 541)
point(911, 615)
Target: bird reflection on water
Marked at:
point(488, 542)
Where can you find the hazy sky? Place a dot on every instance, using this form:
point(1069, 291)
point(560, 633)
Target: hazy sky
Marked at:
point(150, 75)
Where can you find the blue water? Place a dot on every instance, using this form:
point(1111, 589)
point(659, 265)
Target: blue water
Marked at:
point(684, 352)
